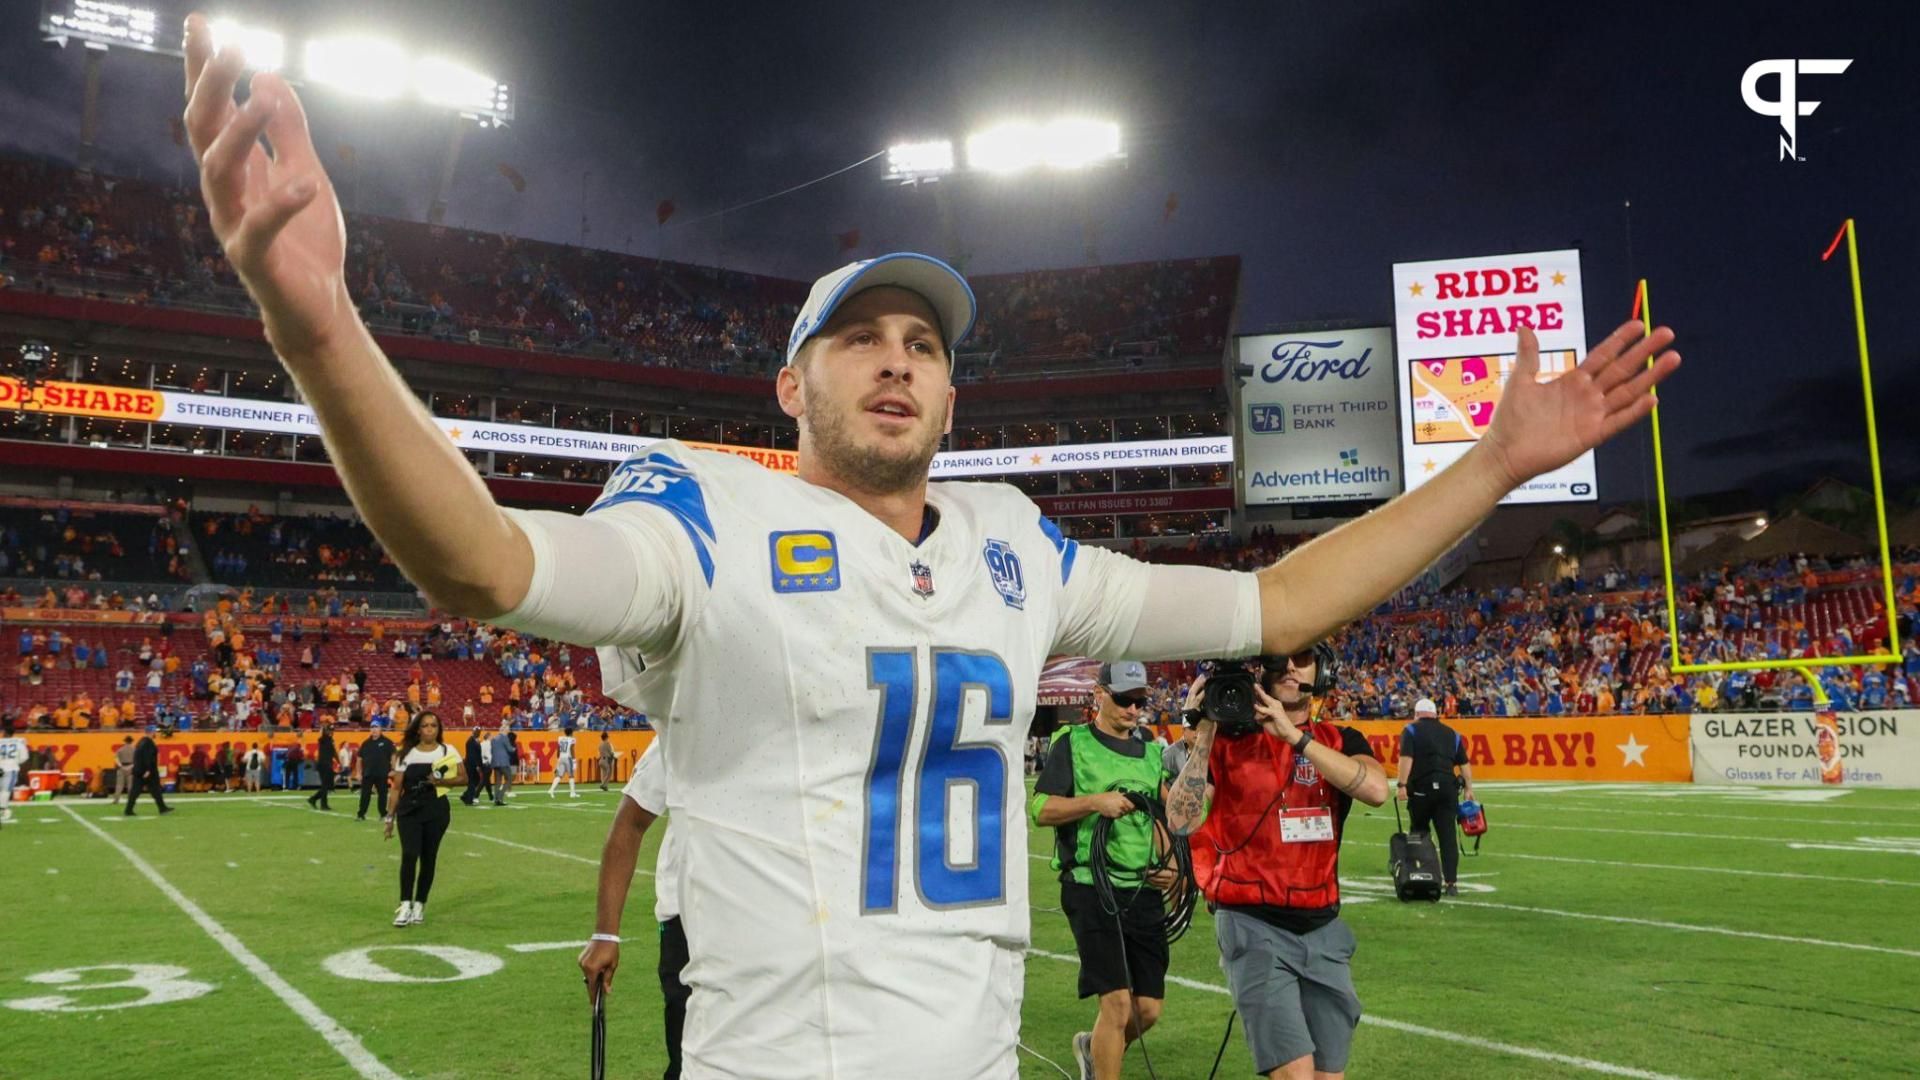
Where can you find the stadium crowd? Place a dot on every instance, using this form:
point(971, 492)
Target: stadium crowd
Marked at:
point(1580, 646)
point(133, 240)
point(58, 541)
point(1591, 646)
point(254, 548)
point(255, 666)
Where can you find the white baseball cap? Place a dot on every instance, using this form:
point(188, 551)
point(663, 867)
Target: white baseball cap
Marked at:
point(941, 285)
point(1425, 707)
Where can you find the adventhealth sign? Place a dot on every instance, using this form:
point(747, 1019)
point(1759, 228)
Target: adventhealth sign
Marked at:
point(1319, 416)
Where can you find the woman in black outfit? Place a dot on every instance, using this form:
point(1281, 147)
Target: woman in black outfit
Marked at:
point(426, 765)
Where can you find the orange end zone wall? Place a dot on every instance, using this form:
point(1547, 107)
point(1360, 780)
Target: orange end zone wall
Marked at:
point(91, 751)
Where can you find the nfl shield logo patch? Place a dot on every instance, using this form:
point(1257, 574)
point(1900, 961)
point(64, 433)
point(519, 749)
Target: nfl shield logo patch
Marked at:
point(922, 579)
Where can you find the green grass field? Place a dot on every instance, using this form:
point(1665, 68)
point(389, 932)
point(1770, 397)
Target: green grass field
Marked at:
point(1608, 930)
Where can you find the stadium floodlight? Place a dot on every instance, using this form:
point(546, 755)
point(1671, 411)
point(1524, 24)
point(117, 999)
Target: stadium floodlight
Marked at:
point(1760, 523)
point(1008, 148)
point(911, 163)
point(101, 23)
point(366, 67)
point(1559, 550)
point(1066, 143)
point(264, 49)
point(1076, 143)
point(440, 81)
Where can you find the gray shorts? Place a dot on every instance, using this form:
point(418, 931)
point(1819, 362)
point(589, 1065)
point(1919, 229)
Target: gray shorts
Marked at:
point(1294, 992)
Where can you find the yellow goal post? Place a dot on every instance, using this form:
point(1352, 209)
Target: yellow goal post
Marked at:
point(1806, 666)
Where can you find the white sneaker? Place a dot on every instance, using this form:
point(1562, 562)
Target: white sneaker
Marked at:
point(404, 916)
point(573, 795)
point(419, 913)
point(1083, 1054)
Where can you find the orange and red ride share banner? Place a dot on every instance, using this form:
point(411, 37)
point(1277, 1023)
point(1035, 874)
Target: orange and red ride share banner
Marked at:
point(1653, 748)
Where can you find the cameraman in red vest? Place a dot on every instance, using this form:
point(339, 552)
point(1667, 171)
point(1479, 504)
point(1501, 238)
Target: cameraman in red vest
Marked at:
point(1265, 808)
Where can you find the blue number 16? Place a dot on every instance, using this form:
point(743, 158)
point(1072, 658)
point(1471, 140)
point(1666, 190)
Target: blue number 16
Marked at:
point(944, 763)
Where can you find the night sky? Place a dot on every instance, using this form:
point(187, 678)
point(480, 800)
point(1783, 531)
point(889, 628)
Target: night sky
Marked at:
point(1319, 142)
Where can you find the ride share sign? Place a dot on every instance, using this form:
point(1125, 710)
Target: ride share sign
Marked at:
point(1318, 416)
point(1456, 325)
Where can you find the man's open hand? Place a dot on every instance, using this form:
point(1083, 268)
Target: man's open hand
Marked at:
point(1539, 427)
point(275, 214)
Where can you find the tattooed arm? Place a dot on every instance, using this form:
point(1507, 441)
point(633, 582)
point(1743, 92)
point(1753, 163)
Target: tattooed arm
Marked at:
point(1190, 793)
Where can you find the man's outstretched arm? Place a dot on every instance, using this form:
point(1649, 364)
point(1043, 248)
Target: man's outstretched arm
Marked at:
point(279, 223)
point(1538, 427)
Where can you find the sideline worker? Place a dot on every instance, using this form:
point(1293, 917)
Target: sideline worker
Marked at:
point(1429, 752)
point(1268, 860)
point(1123, 953)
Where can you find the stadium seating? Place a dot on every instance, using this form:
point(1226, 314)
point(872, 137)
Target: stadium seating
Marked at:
point(136, 241)
point(1544, 648)
point(258, 549)
point(73, 542)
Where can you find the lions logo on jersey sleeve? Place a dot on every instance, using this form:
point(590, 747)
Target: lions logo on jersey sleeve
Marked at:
point(659, 479)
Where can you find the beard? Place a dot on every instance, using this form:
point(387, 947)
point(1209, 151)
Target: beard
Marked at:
point(882, 470)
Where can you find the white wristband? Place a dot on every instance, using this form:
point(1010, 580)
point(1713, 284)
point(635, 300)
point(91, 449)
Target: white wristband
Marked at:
point(615, 938)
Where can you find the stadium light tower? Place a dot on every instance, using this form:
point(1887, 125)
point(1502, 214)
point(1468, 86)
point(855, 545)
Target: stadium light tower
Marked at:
point(361, 66)
point(1064, 144)
point(920, 162)
point(1069, 142)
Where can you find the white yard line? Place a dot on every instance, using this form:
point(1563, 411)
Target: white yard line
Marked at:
point(476, 835)
point(543, 851)
point(1504, 824)
point(345, 1042)
point(1707, 870)
point(1603, 1067)
point(1691, 928)
point(546, 946)
point(1768, 819)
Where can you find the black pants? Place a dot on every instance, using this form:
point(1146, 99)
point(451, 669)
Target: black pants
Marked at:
point(420, 833)
point(1127, 951)
point(673, 960)
point(148, 782)
point(369, 785)
point(476, 782)
point(326, 786)
point(1439, 807)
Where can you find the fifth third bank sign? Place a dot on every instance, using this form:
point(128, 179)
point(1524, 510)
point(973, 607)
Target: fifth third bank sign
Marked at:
point(1319, 416)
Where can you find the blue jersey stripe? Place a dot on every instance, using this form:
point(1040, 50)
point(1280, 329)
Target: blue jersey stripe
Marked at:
point(659, 480)
point(1067, 548)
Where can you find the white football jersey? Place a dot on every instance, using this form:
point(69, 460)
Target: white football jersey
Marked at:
point(566, 747)
point(842, 713)
point(13, 754)
point(647, 787)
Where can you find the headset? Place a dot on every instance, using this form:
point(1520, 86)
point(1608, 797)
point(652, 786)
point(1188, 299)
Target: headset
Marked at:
point(1326, 669)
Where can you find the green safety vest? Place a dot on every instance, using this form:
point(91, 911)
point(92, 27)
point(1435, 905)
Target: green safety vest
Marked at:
point(1130, 843)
